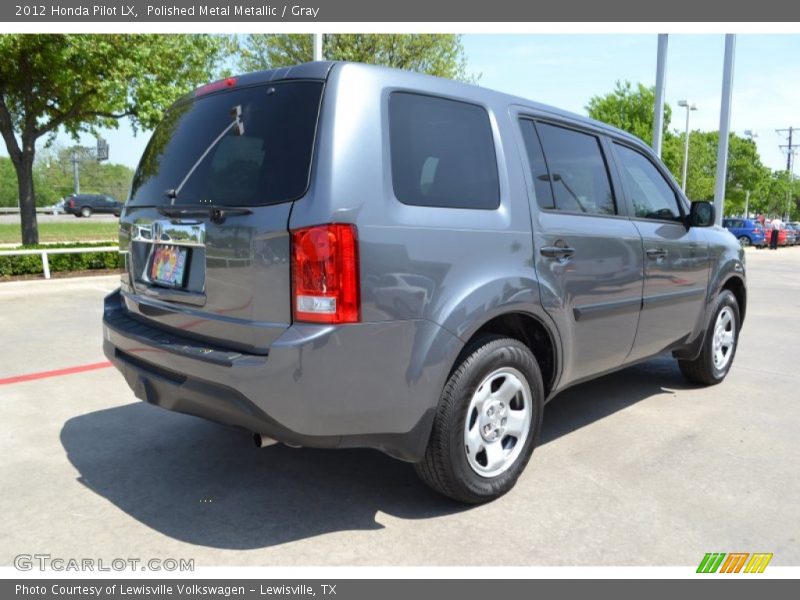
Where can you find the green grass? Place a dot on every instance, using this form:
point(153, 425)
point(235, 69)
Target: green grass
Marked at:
point(79, 231)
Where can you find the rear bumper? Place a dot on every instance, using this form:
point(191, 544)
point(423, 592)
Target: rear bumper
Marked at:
point(363, 385)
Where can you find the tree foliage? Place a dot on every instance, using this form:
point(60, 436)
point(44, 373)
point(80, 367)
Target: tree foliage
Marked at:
point(53, 177)
point(629, 108)
point(78, 83)
point(434, 54)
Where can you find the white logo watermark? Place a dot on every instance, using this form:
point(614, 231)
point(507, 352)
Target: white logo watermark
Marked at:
point(43, 562)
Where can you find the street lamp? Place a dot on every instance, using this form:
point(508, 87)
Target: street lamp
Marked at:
point(752, 135)
point(689, 107)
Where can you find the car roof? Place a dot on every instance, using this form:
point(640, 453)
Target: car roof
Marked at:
point(322, 69)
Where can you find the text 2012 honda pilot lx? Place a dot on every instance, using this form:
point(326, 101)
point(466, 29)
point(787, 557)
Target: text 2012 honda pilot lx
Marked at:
point(337, 255)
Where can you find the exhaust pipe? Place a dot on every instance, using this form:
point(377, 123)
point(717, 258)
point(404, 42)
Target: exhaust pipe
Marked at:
point(262, 441)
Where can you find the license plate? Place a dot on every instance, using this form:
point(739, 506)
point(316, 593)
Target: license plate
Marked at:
point(169, 265)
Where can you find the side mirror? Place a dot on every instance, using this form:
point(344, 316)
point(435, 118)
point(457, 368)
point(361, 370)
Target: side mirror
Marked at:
point(701, 214)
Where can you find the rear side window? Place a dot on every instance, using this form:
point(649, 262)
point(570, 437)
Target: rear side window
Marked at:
point(651, 195)
point(198, 145)
point(578, 172)
point(538, 167)
point(442, 153)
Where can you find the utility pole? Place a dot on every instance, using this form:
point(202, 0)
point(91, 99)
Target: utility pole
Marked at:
point(787, 147)
point(76, 177)
point(752, 135)
point(790, 148)
point(661, 68)
point(724, 126)
point(99, 153)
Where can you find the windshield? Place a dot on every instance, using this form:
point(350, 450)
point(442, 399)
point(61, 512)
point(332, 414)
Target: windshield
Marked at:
point(266, 161)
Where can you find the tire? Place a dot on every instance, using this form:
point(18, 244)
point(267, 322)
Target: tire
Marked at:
point(474, 458)
point(86, 212)
point(744, 241)
point(710, 368)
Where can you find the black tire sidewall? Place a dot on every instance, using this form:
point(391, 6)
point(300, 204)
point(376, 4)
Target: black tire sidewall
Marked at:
point(490, 358)
point(725, 298)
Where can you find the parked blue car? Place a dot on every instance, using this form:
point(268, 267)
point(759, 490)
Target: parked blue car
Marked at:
point(747, 231)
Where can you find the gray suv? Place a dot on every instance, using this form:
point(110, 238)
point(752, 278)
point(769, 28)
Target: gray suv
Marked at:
point(337, 255)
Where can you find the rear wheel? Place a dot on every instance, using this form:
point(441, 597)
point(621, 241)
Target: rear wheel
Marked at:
point(719, 347)
point(744, 240)
point(487, 423)
point(86, 212)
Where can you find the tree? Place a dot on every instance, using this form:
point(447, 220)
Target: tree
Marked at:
point(745, 170)
point(79, 83)
point(441, 54)
point(779, 196)
point(630, 109)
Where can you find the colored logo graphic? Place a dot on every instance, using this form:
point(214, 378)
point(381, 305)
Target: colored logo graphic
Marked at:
point(735, 562)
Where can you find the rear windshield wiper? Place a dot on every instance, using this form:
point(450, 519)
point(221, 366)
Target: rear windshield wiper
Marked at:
point(238, 129)
point(217, 214)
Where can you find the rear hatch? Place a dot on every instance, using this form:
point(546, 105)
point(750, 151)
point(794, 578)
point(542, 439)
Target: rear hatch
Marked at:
point(205, 229)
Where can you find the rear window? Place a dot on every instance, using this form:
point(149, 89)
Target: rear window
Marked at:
point(198, 152)
point(442, 153)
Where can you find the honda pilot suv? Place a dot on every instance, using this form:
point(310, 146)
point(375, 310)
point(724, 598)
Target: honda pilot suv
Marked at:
point(336, 255)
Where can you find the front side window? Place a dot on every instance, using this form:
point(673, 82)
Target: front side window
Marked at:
point(577, 170)
point(652, 197)
point(442, 153)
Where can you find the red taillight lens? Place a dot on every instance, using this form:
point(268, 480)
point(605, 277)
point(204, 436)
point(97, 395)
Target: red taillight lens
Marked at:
point(222, 84)
point(325, 274)
point(71, 203)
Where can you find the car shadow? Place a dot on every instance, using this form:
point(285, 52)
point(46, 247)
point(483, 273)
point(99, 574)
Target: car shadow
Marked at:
point(588, 402)
point(207, 484)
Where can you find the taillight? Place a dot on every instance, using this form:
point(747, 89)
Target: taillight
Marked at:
point(71, 203)
point(325, 274)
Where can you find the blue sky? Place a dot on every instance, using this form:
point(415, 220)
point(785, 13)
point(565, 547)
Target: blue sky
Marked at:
point(565, 70)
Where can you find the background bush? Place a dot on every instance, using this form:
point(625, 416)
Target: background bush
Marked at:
point(32, 264)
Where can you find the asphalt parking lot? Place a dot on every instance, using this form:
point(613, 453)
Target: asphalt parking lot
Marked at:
point(636, 468)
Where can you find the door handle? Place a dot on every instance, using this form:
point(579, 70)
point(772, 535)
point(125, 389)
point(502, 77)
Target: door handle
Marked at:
point(656, 253)
point(556, 252)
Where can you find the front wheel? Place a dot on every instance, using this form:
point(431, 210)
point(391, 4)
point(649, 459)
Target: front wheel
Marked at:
point(487, 423)
point(719, 346)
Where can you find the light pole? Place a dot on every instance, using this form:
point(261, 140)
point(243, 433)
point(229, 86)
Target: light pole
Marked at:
point(791, 181)
point(749, 133)
point(689, 107)
point(318, 46)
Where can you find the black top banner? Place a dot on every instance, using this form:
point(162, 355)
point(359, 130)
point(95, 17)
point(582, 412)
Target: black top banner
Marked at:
point(327, 11)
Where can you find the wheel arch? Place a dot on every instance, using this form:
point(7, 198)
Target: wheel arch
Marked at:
point(532, 330)
point(736, 285)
